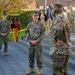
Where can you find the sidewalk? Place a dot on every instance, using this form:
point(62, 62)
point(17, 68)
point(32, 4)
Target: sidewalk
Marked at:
point(16, 63)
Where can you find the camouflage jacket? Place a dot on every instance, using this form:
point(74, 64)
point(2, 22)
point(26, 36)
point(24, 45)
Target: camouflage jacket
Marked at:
point(35, 31)
point(71, 14)
point(5, 26)
point(60, 30)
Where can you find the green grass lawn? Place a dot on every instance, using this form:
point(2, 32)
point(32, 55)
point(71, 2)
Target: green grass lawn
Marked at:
point(20, 33)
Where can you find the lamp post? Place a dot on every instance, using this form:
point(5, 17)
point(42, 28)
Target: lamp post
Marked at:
point(45, 6)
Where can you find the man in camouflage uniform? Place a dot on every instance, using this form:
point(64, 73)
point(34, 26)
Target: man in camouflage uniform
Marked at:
point(4, 31)
point(60, 49)
point(71, 17)
point(35, 35)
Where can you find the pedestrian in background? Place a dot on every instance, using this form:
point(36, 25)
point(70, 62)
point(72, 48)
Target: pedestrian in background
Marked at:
point(15, 26)
point(4, 32)
point(35, 35)
point(65, 12)
point(49, 10)
point(43, 17)
point(71, 17)
point(61, 46)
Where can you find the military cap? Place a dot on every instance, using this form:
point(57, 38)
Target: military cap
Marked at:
point(3, 15)
point(58, 5)
point(35, 13)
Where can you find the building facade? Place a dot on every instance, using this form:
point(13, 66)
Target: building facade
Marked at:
point(66, 3)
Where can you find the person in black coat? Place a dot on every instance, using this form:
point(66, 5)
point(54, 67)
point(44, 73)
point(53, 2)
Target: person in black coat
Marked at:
point(49, 12)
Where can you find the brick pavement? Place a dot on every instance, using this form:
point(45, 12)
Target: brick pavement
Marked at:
point(16, 63)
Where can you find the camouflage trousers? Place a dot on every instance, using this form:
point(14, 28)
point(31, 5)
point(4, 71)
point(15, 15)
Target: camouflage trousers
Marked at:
point(35, 50)
point(5, 40)
point(59, 64)
point(72, 27)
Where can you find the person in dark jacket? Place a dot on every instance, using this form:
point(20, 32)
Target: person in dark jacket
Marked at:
point(49, 10)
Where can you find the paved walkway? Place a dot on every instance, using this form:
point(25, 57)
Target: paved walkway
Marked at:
point(16, 63)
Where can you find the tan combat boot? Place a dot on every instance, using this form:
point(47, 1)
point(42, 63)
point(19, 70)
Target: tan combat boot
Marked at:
point(39, 71)
point(30, 71)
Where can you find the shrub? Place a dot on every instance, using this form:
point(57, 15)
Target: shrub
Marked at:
point(24, 18)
